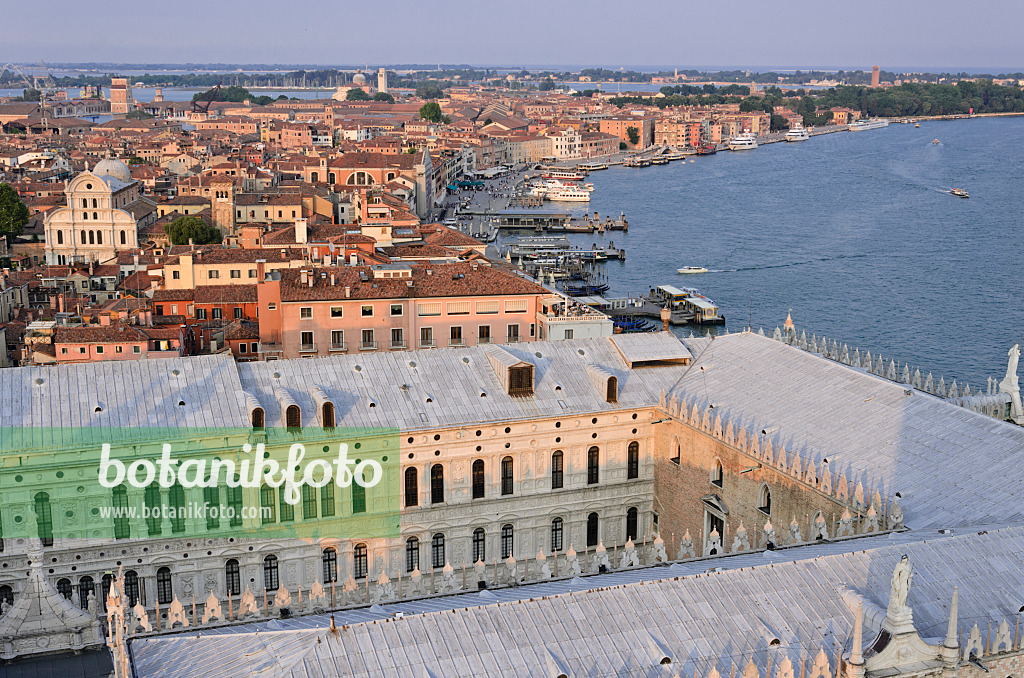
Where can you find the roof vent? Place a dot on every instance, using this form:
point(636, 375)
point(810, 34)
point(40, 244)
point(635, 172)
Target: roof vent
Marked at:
point(39, 381)
point(412, 363)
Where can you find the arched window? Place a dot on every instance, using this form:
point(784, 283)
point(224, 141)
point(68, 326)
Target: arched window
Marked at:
point(327, 415)
point(330, 560)
point(92, 237)
point(358, 494)
point(95, 216)
point(412, 487)
point(716, 474)
point(557, 531)
point(44, 521)
point(293, 417)
point(86, 587)
point(437, 550)
point(83, 236)
point(123, 238)
point(271, 579)
point(7, 595)
point(592, 530)
point(633, 460)
point(164, 591)
point(506, 541)
point(593, 460)
point(99, 237)
point(359, 560)
point(631, 523)
point(478, 480)
point(556, 469)
point(85, 203)
point(94, 203)
point(119, 502)
point(60, 237)
point(314, 177)
point(479, 545)
point(176, 499)
point(506, 476)
point(412, 554)
point(436, 484)
point(233, 578)
point(259, 417)
point(131, 587)
point(764, 500)
point(64, 587)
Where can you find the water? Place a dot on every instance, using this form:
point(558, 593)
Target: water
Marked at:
point(852, 231)
point(145, 94)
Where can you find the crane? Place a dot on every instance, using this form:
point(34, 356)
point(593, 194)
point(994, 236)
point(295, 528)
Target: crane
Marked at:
point(198, 104)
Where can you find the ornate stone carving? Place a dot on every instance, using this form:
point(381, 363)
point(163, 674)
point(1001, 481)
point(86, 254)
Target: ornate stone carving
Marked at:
point(212, 609)
point(176, 614)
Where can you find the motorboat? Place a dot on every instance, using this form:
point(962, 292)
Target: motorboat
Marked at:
point(743, 142)
point(691, 269)
point(862, 125)
point(798, 133)
point(935, 142)
point(960, 193)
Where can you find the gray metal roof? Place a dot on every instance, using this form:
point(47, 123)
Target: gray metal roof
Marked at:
point(643, 347)
point(604, 627)
point(951, 466)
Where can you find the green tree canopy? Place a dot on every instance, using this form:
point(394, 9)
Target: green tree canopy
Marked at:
point(357, 94)
point(13, 213)
point(431, 111)
point(234, 93)
point(547, 84)
point(184, 228)
point(429, 91)
point(384, 96)
point(634, 135)
point(779, 123)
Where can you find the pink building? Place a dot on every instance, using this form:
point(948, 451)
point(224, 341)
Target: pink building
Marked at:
point(95, 343)
point(393, 307)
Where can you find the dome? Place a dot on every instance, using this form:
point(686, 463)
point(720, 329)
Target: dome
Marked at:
point(358, 79)
point(113, 168)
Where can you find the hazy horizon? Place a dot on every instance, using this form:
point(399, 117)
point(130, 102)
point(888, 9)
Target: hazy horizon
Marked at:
point(533, 34)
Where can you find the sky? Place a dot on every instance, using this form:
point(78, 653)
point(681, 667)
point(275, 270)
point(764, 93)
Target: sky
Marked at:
point(895, 34)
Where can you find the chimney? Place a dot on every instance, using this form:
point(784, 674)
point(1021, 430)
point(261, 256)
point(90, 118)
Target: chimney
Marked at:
point(303, 277)
point(301, 232)
point(261, 269)
point(332, 280)
point(348, 292)
point(352, 260)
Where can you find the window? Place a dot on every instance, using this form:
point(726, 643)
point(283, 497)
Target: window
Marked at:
point(124, 242)
point(238, 312)
point(483, 334)
point(592, 530)
point(287, 511)
point(200, 314)
point(358, 496)
point(556, 535)
point(176, 499)
point(633, 460)
point(305, 312)
point(716, 474)
point(306, 341)
point(486, 307)
point(556, 469)
point(513, 334)
point(764, 500)
point(396, 309)
point(426, 337)
point(99, 349)
point(86, 587)
point(64, 588)
point(366, 311)
point(368, 342)
point(412, 492)
point(233, 578)
point(164, 591)
point(330, 562)
point(271, 579)
point(458, 307)
point(213, 274)
point(336, 311)
point(268, 511)
point(397, 338)
point(235, 273)
point(211, 495)
point(436, 484)
point(515, 306)
point(520, 381)
point(337, 339)
point(131, 587)
point(568, 334)
point(217, 313)
point(359, 561)
point(152, 500)
point(60, 237)
point(119, 349)
point(327, 500)
point(478, 481)
point(308, 502)
point(506, 476)
point(175, 275)
point(254, 347)
point(456, 337)
point(293, 417)
point(412, 554)
point(44, 521)
point(593, 460)
point(119, 502)
point(252, 272)
point(631, 523)
point(428, 308)
point(437, 550)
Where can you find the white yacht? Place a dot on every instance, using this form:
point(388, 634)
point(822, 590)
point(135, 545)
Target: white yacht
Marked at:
point(798, 133)
point(568, 194)
point(743, 142)
point(690, 270)
point(862, 125)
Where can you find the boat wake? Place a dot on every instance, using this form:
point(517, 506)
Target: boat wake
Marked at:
point(788, 265)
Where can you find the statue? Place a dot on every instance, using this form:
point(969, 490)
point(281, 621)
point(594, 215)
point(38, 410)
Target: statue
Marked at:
point(896, 516)
point(1010, 385)
point(572, 561)
point(659, 554)
point(902, 577)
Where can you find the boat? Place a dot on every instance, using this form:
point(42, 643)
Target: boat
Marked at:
point(568, 194)
point(935, 142)
point(659, 161)
point(592, 167)
point(743, 142)
point(637, 162)
point(960, 193)
point(866, 124)
point(917, 124)
point(554, 173)
point(798, 133)
point(692, 269)
point(707, 149)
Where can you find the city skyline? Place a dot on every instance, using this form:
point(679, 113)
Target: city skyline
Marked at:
point(918, 34)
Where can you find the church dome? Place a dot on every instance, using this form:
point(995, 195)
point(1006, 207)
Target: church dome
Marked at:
point(113, 168)
point(358, 79)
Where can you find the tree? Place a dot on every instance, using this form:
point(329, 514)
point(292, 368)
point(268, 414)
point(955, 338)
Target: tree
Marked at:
point(139, 115)
point(431, 111)
point(356, 94)
point(182, 229)
point(429, 91)
point(30, 95)
point(634, 135)
point(13, 213)
point(547, 84)
point(779, 123)
point(384, 96)
point(622, 146)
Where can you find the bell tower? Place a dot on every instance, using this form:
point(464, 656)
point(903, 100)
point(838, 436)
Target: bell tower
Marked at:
point(223, 203)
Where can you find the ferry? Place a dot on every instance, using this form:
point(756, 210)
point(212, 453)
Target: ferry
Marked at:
point(960, 193)
point(862, 125)
point(637, 162)
point(568, 194)
point(691, 269)
point(707, 149)
point(592, 167)
point(798, 133)
point(556, 173)
point(659, 160)
point(743, 142)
